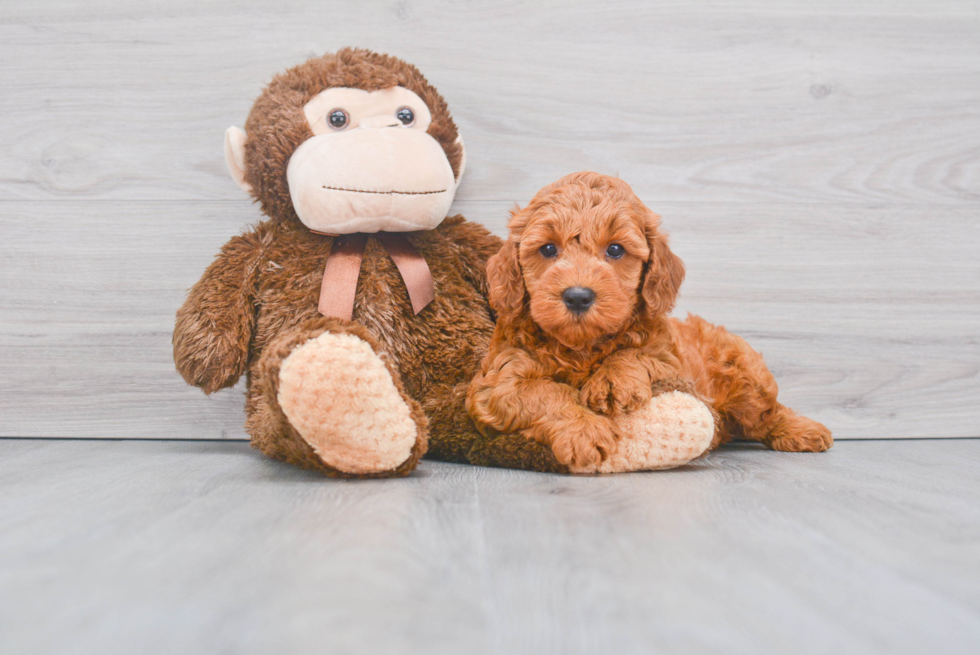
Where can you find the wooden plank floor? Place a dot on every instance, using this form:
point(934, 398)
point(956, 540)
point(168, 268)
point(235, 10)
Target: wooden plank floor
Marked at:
point(207, 547)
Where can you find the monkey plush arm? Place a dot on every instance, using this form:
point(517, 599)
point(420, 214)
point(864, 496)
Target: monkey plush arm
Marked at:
point(475, 245)
point(214, 325)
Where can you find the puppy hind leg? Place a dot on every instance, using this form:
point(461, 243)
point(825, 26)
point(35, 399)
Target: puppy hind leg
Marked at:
point(750, 409)
point(744, 391)
point(788, 431)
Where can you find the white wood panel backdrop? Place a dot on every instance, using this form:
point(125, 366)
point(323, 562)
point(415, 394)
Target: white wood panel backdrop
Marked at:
point(818, 165)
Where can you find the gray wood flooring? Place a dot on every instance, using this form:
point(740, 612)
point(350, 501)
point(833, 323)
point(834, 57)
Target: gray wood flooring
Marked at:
point(818, 165)
point(207, 547)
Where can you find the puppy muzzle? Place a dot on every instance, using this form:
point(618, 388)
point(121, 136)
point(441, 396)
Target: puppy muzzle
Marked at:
point(578, 299)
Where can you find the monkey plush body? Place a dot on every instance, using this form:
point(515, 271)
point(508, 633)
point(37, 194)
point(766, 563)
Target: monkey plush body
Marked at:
point(354, 159)
point(428, 356)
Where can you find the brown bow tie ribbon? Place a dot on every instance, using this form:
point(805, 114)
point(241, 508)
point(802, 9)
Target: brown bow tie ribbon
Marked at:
point(344, 264)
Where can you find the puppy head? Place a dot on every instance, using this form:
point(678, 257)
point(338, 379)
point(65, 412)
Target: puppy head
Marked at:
point(585, 258)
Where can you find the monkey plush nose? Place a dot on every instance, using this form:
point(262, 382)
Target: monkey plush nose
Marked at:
point(384, 120)
point(578, 299)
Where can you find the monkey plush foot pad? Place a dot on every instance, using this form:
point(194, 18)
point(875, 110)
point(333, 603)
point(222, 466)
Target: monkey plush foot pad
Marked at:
point(338, 395)
point(672, 430)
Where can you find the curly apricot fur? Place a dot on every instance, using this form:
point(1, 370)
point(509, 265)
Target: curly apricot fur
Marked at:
point(557, 377)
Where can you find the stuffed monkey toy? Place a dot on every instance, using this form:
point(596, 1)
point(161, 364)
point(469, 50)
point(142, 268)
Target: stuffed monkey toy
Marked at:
point(357, 310)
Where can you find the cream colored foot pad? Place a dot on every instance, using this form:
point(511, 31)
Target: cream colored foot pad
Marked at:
point(337, 393)
point(672, 430)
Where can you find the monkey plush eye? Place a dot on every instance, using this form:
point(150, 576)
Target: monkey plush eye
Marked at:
point(548, 250)
point(338, 119)
point(405, 115)
point(615, 251)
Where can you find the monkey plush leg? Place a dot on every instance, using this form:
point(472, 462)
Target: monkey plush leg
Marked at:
point(454, 438)
point(671, 430)
point(338, 406)
point(451, 431)
point(514, 451)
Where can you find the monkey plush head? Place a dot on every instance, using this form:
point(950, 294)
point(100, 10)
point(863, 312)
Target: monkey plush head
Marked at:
point(349, 142)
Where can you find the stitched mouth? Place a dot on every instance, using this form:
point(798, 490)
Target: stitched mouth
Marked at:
point(385, 193)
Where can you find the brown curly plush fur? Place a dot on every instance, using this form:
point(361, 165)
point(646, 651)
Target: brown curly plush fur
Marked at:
point(276, 125)
point(558, 379)
point(258, 300)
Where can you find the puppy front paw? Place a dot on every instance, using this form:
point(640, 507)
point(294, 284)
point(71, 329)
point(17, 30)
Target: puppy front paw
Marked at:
point(605, 395)
point(585, 442)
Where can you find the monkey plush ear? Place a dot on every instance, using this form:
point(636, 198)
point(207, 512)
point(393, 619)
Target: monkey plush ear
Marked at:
point(505, 280)
point(665, 272)
point(462, 159)
point(235, 156)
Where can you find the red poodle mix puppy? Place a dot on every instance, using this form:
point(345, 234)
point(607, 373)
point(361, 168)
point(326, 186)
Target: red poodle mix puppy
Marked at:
point(582, 289)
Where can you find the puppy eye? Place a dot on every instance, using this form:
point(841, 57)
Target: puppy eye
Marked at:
point(405, 115)
point(615, 251)
point(548, 250)
point(338, 119)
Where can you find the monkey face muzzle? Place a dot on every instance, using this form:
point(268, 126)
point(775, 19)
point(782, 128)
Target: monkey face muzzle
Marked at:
point(371, 179)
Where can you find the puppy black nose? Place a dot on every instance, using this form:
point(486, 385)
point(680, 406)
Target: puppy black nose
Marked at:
point(578, 299)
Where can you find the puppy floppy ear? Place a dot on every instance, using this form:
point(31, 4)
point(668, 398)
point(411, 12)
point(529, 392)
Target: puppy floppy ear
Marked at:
point(664, 274)
point(505, 280)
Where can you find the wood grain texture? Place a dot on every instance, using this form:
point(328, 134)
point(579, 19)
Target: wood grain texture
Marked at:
point(196, 547)
point(873, 345)
point(743, 101)
point(819, 170)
